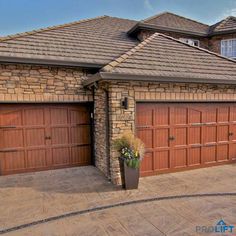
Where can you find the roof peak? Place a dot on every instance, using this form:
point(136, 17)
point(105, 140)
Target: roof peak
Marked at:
point(171, 13)
point(13, 36)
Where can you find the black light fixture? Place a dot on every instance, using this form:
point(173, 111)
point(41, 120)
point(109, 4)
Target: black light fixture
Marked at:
point(125, 103)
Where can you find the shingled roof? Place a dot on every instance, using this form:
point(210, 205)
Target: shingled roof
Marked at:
point(93, 41)
point(173, 21)
point(227, 24)
point(170, 22)
point(161, 57)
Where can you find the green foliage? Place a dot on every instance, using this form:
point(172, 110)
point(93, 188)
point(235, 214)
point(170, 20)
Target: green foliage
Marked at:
point(131, 149)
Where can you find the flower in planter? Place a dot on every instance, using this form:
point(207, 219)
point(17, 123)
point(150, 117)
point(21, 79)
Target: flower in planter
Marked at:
point(131, 149)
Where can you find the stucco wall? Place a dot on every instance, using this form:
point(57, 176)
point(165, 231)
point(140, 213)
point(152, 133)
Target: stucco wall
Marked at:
point(121, 119)
point(31, 83)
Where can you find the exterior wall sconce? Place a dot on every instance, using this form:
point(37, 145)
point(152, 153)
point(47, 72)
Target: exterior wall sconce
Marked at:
point(125, 103)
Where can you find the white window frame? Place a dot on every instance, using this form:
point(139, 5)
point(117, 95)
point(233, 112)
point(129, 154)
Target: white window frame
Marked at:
point(229, 50)
point(190, 41)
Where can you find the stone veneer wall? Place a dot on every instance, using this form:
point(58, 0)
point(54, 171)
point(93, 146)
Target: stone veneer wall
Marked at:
point(31, 83)
point(122, 120)
point(101, 129)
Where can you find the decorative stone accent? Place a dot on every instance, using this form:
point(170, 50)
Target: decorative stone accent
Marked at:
point(31, 83)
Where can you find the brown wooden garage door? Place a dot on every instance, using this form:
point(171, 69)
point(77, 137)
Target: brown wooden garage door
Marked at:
point(40, 137)
point(187, 135)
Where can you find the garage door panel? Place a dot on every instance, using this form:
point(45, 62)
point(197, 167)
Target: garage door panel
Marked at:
point(223, 114)
point(162, 138)
point(194, 157)
point(195, 116)
point(147, 163)
point(232, 151)
point(59, 116)
point(79, 134)
point(178, 115)
point(35, 137)
point(81, 116)
point(162, 160)
point(209, 114)
point(161, 116)
point(209, 134)
point(147, 136)
point(223, 152)
point(11, 117)
point(80, 155)
point(11, 138)
point(209, 154)
point(194, 135)
point(12, 161)
point(180, 136)
point(233, 132)
point(34, 116)
point(145, 117)
point(60, 135)
point(233, 114)
point(179, 158)
point(61, 156)
point(223, 133)
point(36, 157)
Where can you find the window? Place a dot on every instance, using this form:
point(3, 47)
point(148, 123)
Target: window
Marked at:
point(192, 42)
point(228, 48)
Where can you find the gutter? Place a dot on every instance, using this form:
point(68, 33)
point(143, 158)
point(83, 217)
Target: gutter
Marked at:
point(148, 78)
point(36, 61)
point(222, 32)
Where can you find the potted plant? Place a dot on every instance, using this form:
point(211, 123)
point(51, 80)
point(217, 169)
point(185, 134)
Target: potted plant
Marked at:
point(131, 151)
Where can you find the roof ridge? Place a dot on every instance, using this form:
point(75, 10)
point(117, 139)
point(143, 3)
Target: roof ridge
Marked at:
point(166, 12)
point(196, 47)
point(154, 16)
point(13, 36)
point(123, 57)
point(121, 18)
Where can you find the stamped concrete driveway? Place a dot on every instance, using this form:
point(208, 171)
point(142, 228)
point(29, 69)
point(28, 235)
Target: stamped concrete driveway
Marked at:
point(26, 198)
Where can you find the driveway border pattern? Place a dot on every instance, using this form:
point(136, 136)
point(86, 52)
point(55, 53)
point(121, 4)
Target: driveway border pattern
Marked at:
point(95, 209)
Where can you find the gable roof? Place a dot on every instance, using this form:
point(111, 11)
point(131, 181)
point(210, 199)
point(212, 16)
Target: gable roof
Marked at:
point(228, 24)
point(163, 58)
point(94, 41)
point(173, 21)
